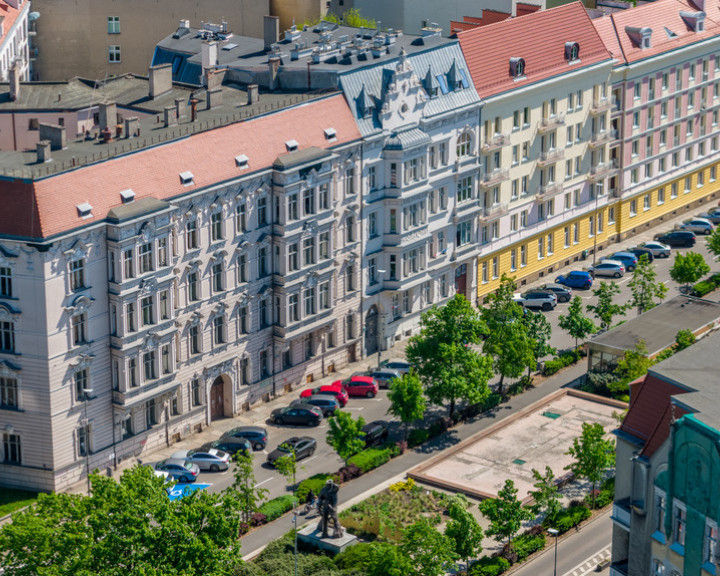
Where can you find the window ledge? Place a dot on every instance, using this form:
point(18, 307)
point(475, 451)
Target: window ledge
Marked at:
point(659, 536)
point(12, 408)
point(678, 548)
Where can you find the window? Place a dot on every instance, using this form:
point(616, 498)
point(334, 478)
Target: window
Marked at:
point(263, 313)
point(113, 23)
point(293, 257)
point(591, 227)
point(193, 287)
point(679, 522)
point(148, 315)
point(11, 448)
point(349, 229)
point(243, 319)
point(191, 233)
point(150, 413)
point(633, 208)
point(262, 262)
point(324, 246)
point(550, 244)
point(464, 145)
point(309, 251)
point(524, 219)
point(194, 335)
point(495, 267)
point(465, 189)
point(132, 372)
point(149, 371)
point(523, 255)
point(167, 364)
point(309, 201)
point(673, 190)
point(8, 393)
point(372, 179)
point(660, 508)
point(349, 183)
point(195, 392)
point(78, 328)
point(688, 184)
point(309, 301)
point(576, 233)
point(646, 202)
point(407, 302)
point(393, 267)
point(219, 330)
point(216, 226)
point(293, 308)
point(217, 277)
point(325, 295)
point(485, 279)
point(242, 268)
point(349, 278)
point(513, 259)
point(541, 248)
point(146, 258)
point(162, 252)
point(661, 196)
point(700, 179)
point(464, 233)
point(81, 385)
point(372, 225)
point(567, 236)
point(710, 543)
point(241, 218)
point(114, 54)
point(5, 282)
point(658, 568)
point(77, 274)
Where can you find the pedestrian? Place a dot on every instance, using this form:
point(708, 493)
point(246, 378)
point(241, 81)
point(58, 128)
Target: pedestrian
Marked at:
point(310, 501)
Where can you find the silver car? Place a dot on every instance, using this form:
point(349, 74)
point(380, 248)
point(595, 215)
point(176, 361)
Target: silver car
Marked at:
point(213, 460)
point(611, 268)
point(384, 376)
point(402, 366)
point(658, 249)
point(543, 299)
point(713, 215)
point(697, 225)
point(179, 470)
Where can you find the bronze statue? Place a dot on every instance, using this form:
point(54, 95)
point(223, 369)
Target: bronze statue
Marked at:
point(327, 505)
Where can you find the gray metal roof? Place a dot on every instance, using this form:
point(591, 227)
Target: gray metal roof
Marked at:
point(300, 157)
point(407, 139)
point(136, 209)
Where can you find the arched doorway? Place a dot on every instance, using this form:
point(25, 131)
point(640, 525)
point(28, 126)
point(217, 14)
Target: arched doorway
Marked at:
point(371, 331)
point(217, 399)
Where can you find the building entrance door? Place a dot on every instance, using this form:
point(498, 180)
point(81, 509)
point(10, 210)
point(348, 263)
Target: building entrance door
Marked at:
point(461, 280)
point(217, 399)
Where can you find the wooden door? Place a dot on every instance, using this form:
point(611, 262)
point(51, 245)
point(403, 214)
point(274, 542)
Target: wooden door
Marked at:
point(217, 400)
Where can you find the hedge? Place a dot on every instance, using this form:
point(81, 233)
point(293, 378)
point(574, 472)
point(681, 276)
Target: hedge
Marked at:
point(706, 286)
point(563, 359)
point(526, 544)
point(417, 436)
point(273, 509)
point(570, 517)
point(370, 459)
point(489, 566)
point(314, 483)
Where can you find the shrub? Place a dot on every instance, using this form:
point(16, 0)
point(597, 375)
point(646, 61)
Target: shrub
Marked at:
point(600, 383)
point(355, 558)
point(526, 544)
point(604, 496)
point(664, 355)
point(393, 448)
point(314, 483)
point(570, 517)
point(702, 288)
point(403, 486)
point(489, 566)
point(273, 509)
point(258, 519)
point(684, 339)
point(492, 401)
point(417, 436)
point(348, 473)
point(370, 459)
point(439, 426)
point(552, 366)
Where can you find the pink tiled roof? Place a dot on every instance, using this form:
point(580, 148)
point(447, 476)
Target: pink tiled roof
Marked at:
point(539, 39)
point(47, 207)
point(522, 9)
point(10, 15)
point(661, 16)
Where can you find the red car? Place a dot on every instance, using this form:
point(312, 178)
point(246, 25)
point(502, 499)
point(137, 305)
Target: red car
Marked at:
point(360, 386)
point(332, 389)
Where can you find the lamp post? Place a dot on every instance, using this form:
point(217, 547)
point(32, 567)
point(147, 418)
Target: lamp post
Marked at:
point(86, 399)
point(595, 224)
point(295, 515)
point(554, 532)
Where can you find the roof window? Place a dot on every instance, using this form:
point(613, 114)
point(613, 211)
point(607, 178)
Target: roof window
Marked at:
point(572, 51)
point(187, 178)
point(330, 134)
point(241, 161)
point(517, 67)
point(291, 145)
point(84, 210)
point(127, 196)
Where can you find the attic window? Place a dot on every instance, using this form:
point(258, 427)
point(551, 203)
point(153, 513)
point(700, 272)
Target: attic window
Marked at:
point(463, 82)
point(572, 51)
point(187, 178)
point(517, 67)
point(84, 210)
point(442, 81)
point(291, 145)
point(330, 134)
point(127, 196)
point(241, 161)
point(694, 20)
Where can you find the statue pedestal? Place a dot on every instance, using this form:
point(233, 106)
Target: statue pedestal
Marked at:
point(312, 535)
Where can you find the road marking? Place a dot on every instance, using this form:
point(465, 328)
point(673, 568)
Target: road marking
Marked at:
point(590, 563)
point(309, 459)
point(265, 481)
point(356, 408)
point(624, 280)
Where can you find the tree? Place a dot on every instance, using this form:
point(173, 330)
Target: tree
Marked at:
point(249, 496)
point(125, 527)
point(545, 496)
point(345, 435)
point(539, 331)
point(688, 268)
point(634, 363)
point(605, 309)
point(429, 550)
point(575, 323)
point(506, 513)
point(713, 242)
point(446, 363)
point(593, 455)
point(463, 530)
point(386, 559)
point(407, 401)
point(287, 467)
point(684, 339)
point(645, 287)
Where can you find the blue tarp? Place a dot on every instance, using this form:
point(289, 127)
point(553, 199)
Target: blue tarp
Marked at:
point(180, 490)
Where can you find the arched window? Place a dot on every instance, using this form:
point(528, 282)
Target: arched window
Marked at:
point(464, 144)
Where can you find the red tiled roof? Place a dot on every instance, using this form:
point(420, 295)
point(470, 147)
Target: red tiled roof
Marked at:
point(47, 207)
point(10, 15)
point(659, 16)
point(461, 26)
point(662, 430)
point(539, 39)
point(522, 9)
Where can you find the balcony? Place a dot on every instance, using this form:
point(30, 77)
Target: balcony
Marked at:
point(600, 106)
point(603, 170)
point(551, 122)
point(495, 211)
point(598, 139)
point(621, 514)
point(551, 190)
point(551, 156)
point(490, 179)
point(619, 569)
point(495, 142)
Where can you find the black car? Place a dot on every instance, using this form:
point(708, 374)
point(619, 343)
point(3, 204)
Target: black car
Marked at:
point(229, 445)
point(305, 414)
point(303, 446)
point(256, 435)
point(327, 403)
point(563, 293)
point(641, 252)
point(677, 238)
point(375, 433)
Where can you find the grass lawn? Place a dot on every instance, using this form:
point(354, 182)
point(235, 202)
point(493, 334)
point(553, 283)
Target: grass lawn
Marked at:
point(11, 500)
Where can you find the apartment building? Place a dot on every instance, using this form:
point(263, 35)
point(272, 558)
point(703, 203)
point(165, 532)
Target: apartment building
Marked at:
point(14, 40)
point(665, 517)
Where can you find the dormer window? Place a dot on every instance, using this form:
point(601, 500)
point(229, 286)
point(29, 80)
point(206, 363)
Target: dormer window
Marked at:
point(84, 210)
point(187, 178)
point(640, 36)
point(291, 145)
point(517, 67)
point(127, 196)
point(572, 51)
point(694, 20)
point(241, 161)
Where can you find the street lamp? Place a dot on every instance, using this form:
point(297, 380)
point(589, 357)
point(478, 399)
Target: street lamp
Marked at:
point(554, 532)
point(294, 519)
point(86, 399)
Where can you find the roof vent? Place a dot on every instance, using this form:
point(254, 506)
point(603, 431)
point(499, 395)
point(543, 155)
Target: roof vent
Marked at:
point(187, 178)
point(330, 134)
point(517, 67)
point(694, 20)
point(572, 51)
point(127, 196)
point(84, 210)
point(291, 145)
point(241, 161)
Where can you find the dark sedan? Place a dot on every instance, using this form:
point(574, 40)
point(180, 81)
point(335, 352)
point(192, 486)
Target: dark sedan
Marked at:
point(642, 252)
point(301, 414)
point(303, 446)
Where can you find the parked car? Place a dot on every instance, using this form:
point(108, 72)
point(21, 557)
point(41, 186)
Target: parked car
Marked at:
point(576, 279)
point(697, 225)
point(628, 259)
point(713, 215)
point(333, 389)
point(611, 268)
point(543, 299)
point(213, 459)
point(658, 249)
point(384, 376)
point(256, 435)
point(677, 238)
point(639, 252)
point(301, 414)
point(360, 386)
point(375, 433)
point(402, 366)
point(179, 470)
point(326, 402)
point(230, 445)
point(563, 293)
point(303, 446)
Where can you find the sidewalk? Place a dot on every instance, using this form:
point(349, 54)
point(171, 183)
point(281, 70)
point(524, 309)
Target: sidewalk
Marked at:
point(380, 478)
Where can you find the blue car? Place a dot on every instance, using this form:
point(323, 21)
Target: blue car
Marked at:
point(629, 259)
point(575, 279)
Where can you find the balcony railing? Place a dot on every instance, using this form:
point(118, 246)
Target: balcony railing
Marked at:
point(551, 156)
point(600, 105)
point(551, 122)
point(550, 190)
point(495, 211)
point(490, 179)
point(495, 142)
point(603, 170)
point(600, 138)
point(621, 513)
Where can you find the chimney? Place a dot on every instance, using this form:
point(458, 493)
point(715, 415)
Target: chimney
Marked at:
point(170, 117)
point(214, 98)
point(214, 79)
point(271, 29)
point(53, 133)
point(209, 57)
point(180, 107)
point(193, 109)
point(107, 115)
point(160, 78)
point(14, 80)
point(253, 94)
point(274, 65)
point(43, 151)
point(132, 126)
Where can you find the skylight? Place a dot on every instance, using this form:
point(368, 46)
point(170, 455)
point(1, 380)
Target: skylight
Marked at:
point(330, 134)
point(291, 145)
point(241, 161)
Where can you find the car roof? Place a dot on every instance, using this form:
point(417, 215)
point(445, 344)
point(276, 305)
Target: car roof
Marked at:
point(552, 286)
point(324, 397)
point(375, 424)
point(258, 429)
point(624, 254)
point(362, 379)
point(397, 361)
point(175, 461)
point(180, 455)
point(577, 273)
point(303, 405)
point(386, 371)
point(610, 261)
